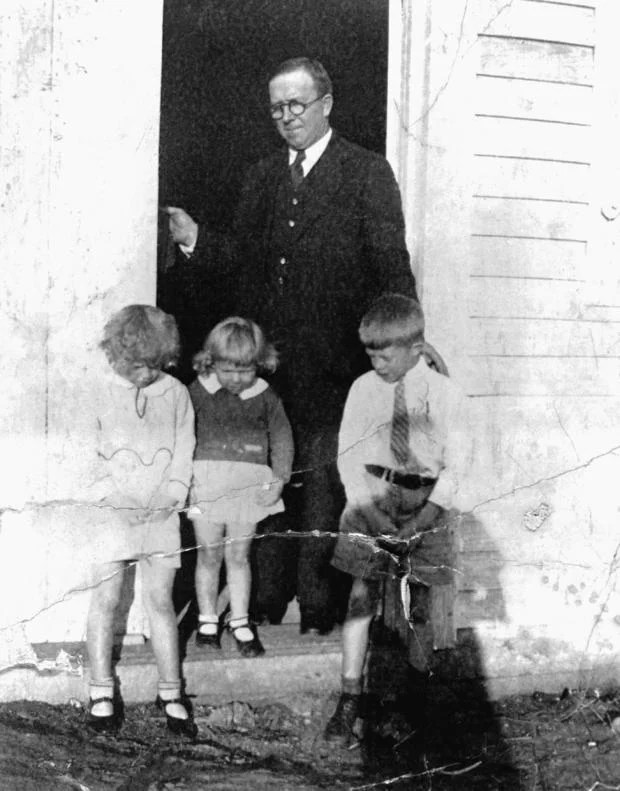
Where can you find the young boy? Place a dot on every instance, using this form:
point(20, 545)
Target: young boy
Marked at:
point(398, 450)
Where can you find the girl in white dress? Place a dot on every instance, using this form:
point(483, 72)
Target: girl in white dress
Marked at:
point(145, 442)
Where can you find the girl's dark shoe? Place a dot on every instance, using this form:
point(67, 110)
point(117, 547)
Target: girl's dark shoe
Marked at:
point(107, 723)
point(212, 640)
point(247, 648)
point(178, 725)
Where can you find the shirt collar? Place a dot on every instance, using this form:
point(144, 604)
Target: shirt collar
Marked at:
point(211, 384)
point(419, 370)
point(313, 152)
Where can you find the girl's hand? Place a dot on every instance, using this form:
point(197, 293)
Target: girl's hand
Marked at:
point(269, 493)
point(162, 506)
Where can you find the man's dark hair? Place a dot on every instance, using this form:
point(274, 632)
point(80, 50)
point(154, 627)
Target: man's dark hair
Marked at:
point(312, 66)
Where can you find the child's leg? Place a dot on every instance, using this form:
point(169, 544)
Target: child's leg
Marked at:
point(237, 554)
point(210, 538)
point(355, 638)
point(105, 598)
point(355, 634)
point(157, 594)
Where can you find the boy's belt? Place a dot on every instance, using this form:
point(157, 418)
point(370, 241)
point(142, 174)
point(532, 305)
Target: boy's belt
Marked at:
point(407, 480)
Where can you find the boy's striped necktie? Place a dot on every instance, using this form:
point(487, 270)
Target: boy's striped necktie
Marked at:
point(399, 433)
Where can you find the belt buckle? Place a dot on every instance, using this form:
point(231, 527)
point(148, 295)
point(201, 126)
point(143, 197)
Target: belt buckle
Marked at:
point(388, 475)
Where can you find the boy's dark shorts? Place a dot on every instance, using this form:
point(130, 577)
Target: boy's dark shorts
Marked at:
point(357, 553)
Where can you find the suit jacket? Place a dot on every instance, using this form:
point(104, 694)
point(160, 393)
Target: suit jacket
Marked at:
point(348, 246)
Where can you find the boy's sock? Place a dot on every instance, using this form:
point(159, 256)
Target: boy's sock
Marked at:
point(351, 686)
point(168, 691)
point(98, 689)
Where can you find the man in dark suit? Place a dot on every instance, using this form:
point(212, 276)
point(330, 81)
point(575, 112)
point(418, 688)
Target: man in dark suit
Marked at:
point(319, 233)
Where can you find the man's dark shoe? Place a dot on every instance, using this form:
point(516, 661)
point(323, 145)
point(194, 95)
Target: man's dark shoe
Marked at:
point(317, 626)
point(339, 730)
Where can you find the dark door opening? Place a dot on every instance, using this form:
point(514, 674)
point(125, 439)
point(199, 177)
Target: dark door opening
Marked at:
point(217, 55)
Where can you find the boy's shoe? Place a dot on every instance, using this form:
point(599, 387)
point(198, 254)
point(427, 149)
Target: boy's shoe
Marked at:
point(339, 729)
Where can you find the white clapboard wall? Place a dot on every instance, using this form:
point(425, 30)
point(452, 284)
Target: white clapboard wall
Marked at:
point(531, 192)
point(497, 132)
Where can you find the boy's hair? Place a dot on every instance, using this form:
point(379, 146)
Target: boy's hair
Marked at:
point(392, 320)
point(238, 341)
point(142, 334)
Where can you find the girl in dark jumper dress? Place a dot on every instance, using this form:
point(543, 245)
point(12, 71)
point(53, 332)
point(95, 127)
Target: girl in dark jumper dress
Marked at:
point(243, 458)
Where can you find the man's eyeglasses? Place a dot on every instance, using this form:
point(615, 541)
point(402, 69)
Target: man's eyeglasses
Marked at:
point(295, 107)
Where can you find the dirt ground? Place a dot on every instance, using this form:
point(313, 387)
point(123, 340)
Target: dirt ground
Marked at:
point(456, 740)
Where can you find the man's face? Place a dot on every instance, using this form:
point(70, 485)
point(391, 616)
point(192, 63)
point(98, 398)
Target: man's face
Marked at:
point(393, 362)
point(303, 130)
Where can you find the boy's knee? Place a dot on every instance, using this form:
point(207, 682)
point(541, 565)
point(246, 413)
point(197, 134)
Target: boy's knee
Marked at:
point(364, 598)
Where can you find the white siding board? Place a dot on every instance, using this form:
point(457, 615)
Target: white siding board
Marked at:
point(536, 60)
point(524, 217)
point(549, 101)
point(592, 4)
point(507, 257)
point(536, 299)
point(526, 178)
point(532, 139)
point(545, 22)
point(554, 337)
point(545, 376)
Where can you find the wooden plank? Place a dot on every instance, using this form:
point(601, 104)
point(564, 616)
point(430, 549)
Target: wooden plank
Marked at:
point(536, 60)
point(593, 4)
point(544, 22)
point(540, 376)
point(525, 217)
point(539, 140)
point(479, 605)
point(534, 299)
point(531, 337)
point(551, 101)
point(441, 613)
point(479, 571)
point(527, 178)
point(527, 257)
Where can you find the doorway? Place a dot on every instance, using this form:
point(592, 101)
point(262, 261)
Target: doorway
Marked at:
point(216, 58)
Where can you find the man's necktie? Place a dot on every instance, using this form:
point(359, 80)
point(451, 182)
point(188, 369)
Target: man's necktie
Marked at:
point(297, 171)
point(399, 434)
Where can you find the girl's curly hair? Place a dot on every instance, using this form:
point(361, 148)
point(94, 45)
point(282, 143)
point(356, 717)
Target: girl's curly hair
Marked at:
point(238, 341)
point(142, 334)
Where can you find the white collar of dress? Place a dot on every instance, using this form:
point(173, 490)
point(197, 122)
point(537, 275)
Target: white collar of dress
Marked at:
point(211, 384)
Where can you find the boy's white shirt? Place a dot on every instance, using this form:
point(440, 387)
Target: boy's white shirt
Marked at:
point(438, 435)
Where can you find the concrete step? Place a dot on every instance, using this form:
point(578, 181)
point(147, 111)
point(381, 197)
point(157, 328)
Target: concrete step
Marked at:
point(293, 664)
